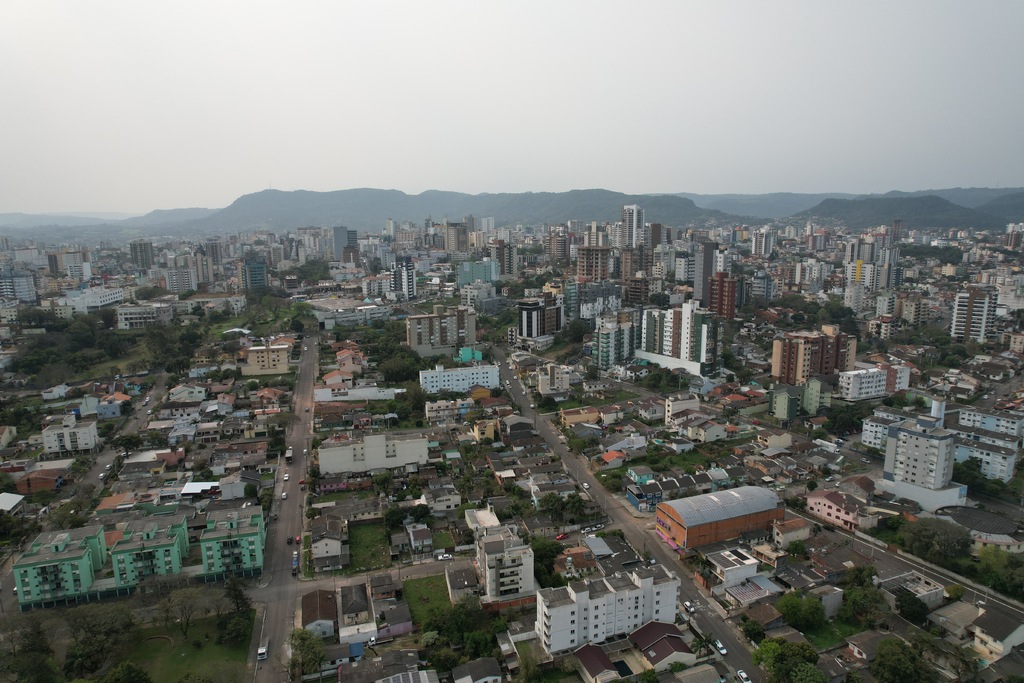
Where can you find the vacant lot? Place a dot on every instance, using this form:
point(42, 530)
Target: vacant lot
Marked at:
point(831, 634)
point(370, 546)
point(423, 595)
point(167, 656)
point(443, 539)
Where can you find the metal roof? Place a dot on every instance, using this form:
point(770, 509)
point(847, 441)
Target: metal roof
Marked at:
point(721, 505)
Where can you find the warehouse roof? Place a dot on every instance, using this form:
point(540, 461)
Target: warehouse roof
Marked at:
point(721, 505)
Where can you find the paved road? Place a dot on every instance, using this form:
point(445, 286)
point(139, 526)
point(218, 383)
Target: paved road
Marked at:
point(638, 530)
point(277, 588)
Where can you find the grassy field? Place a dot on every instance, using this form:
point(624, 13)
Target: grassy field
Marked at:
point(424, 594)
point(443, 539)
point(370, 546)
point(343, 495)
point(831, 634)
point(167, 656)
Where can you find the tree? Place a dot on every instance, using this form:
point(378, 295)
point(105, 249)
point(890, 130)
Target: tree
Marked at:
point(753, 631)
point(184, 603)
point(553, 504)
point(192, 677)
point(860, 576)
point(807, 673)
point(897, 662)
point(955, 591)
point(127, 672)
point(97, 632)
point(802, 613)
point(780, 657)
point(649, 676)
point(393, 517)
point(251, 490)
point(383, 481)
point(234, 589)
point(864, 605)
point(797, 548)
point(935, 540)
point(307, 651)
point(911, 607)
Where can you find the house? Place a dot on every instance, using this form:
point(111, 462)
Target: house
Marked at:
point(651, 410)
point(594, 665)
point(55, 393)
point(187, 393)
point(774, 438)
point(575, 562)
point(340, 378)
point(355, 605)
point(483, 670)
point(996, 632)
point(442, 501)
point(320, 613)
point(382, 587)
point(706, 431)
point(394, 620)
point(662, 645)
point(764, 613)
point(610, 460)
point(12, 504)
point(863, 646)
point(840, 509)
point(570, 416)
point(640, 474)
point(420, 539)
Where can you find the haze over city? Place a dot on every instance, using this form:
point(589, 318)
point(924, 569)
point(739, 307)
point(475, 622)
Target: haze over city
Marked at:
point(123, 107)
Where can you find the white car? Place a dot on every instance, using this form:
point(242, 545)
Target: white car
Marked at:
point(742, 675)
point(284, 495)
point(444, 556)
point(721, 648)
point(103, 475)
point(108, 467)
point(586, 485)
point(286, 476)
point(688, 606)
point(533, 405)
point(305, 348)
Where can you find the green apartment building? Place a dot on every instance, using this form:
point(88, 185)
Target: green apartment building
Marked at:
point(233, 542)
point(148, 547)
point(61, 566)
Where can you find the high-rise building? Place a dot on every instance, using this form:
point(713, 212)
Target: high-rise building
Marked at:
point(592, 263)
point(557, 246)
point(215, 250)
point(704, 269)
point(762, 242)
point(255, 273)
point(617, 336)
point(974, 314)
point(723, 294)
point(456, 237)
point(595, 610)
point(633, 227)
point(507, 257)
point(403, 278)
point(540, 316)
point(797, 356)
point(919, 456)
point(506, 564)
point(179, 280)
point(682, 337)
point(442, 332)
point(142, 254)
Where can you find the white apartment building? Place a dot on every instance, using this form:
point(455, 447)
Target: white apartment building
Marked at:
point(594, 610)
point(858, 385)
point(138, 316)
point(974, 314)
point(83, 301)
point(919, 456)
point(373, 452)
point(506, 564)
point(553, 379)
point(71, 435)
point(993, 420)
point(997, 462)
point(875, 430)
point(459, 380)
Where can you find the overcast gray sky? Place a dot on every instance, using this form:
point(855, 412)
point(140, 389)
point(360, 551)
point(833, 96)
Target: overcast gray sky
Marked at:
point(133, 106)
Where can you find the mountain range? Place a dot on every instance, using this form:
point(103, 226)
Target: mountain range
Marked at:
point(367, 209)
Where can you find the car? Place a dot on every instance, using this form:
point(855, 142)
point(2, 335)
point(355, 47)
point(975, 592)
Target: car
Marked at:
point(305, 451)
point(985, 396)
point(742, 675)
point(305, 348)
point(286, 476)
point(302, 482)
point(298, 540)
point(721, 648)
point(830, 478)
point(108, 466)
point(598, 527)
point(261, 653)
point(561, 537)
point(284, 495)
point(652, 562)
point(307, 410)
point(586, 485)
point(444, 556)
point(866, 461)
point(103, 475)
point(586, 529)
point(290, 540)
point(688, 606)
point(149, 412)
point(295, 554)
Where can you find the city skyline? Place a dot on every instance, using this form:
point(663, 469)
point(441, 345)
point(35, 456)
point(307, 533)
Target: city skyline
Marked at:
point(125, 108)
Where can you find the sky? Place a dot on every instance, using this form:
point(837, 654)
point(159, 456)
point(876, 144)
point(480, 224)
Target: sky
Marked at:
point(134, 106)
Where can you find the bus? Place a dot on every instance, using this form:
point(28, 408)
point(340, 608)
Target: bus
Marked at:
point(288, 455)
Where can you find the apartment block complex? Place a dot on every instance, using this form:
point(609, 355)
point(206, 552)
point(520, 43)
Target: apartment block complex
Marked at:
point(459, 379)
point(60, 566)
point(267, 360)
point(594, 610)
point(796, 356)
point(506, 564)
point(683, 337)
point(372, 452)
point(233, 541)
point(919, 456)
point(442, 332)
point(147, 547)
point(617, 338)
point(974, 314)
point(71, 435)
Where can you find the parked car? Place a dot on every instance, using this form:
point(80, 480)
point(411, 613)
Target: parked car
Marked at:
point(586, 485)
point(561, 537)
point(298, 540)
point(108, 466)
point(284, 495)
point(721, 648)
point(866, 461)
point(587, 529)
point(302, 481)
point(103, 475)
point(742, 675)
point(598, 527)
point(286, 476)
point(444, 556)
point(688, 606)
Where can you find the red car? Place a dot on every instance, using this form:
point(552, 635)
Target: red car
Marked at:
point(302, 481)
point(561, 537)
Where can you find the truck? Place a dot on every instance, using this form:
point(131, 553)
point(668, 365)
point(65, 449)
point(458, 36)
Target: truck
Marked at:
point(288, 455)
point(827, 445)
